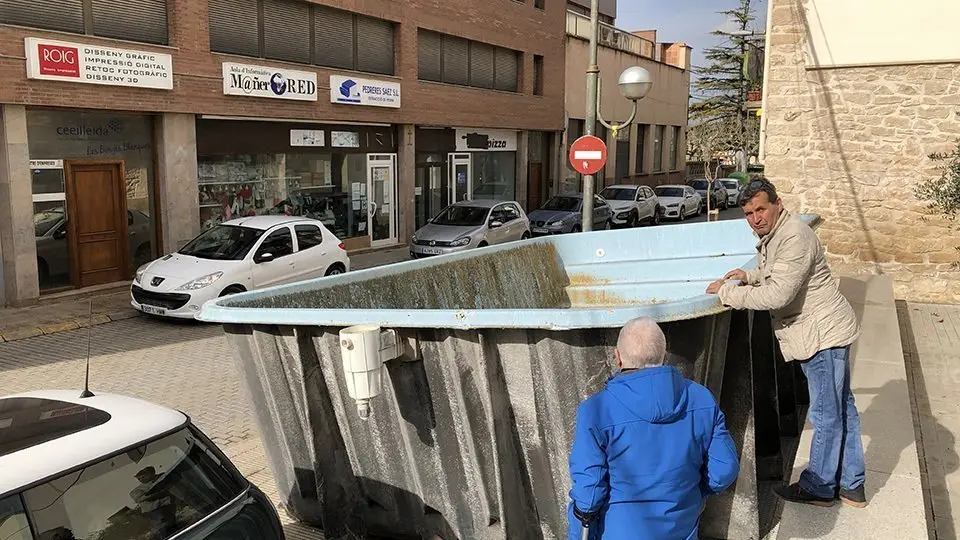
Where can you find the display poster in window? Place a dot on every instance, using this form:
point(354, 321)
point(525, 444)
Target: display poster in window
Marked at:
point(345, 139)
point(94, 64)
point(306, 137)
point(136, 179)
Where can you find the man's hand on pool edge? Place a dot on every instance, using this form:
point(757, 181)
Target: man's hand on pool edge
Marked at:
point(714, 287)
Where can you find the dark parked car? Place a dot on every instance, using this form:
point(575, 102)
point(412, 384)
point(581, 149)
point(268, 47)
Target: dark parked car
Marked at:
point(564, 214)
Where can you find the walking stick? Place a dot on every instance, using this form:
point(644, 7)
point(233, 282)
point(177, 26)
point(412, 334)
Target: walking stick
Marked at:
point(586, 532)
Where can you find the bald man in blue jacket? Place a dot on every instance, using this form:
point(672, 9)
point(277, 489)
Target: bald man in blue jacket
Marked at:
point(648, 449)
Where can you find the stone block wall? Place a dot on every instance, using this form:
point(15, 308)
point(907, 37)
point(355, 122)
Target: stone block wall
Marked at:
point(850, 144)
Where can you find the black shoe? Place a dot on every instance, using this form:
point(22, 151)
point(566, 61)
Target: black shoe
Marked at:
point(796, 494)
point(856, 498)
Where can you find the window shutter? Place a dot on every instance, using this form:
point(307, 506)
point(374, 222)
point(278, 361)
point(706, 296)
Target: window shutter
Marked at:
point(456, 60)
point(136, 20)
point(429, 49)
point(334, 38)
point(507, 68)
point(234, 27)
point(481, 65)
point(376, 54)
point(63, 15)
point(286, 30)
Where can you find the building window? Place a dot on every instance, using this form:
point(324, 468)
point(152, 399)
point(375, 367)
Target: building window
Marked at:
point(641, 144)
point(302, 32)
point(537, 75)
point(674, 144)
point(454, 60)
point(623, 155)
point(539, 4)
point(134, 20)
point(658, 149)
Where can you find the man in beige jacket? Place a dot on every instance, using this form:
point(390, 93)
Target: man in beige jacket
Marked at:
point(815, 325)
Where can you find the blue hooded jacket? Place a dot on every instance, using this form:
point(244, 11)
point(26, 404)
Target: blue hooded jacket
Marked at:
point(647, 451)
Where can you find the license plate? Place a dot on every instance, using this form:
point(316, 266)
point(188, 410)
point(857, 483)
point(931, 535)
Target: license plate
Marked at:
point(431, 251)
point(151, 310)
point(539, 230)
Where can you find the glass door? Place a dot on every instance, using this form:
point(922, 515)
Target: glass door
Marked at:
point(382, 199)
point(461, 177)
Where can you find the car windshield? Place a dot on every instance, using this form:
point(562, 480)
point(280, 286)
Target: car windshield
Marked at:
point(44, 221)
point(669, 192)
point(222, 243)
point(462, 216)
point(618, 194)
point(730, 184)
point(698, 184)
point(150, 491)
point(563, 204)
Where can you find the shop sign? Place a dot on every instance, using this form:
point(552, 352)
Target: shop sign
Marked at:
point(354, 91)
point(93, 64)
point(268, 82)
point(46, 163)
point(306, 137)
point(486, 140)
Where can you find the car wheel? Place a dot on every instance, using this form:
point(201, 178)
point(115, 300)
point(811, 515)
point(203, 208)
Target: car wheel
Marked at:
point(656, 216)
point(683, 214)
point(699, 208)
point(483, 244)
point(633, 220)
point(335, 270)
point(576, 229)
point(233, 289)
point(525, 235)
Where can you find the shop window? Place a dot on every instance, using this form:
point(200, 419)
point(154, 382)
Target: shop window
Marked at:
point(494, 175)
point(303, 32)
point(58, 136)
point(331, 188)
point(135, 20)
point(308, 236)
point(571, 180)
point(454, 60)
point(537, 75)
point(640, 144)
point(658, 149)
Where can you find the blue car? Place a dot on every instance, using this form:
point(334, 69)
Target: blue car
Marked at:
point(564, 214)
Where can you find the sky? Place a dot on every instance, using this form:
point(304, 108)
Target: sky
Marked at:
point(689, 21)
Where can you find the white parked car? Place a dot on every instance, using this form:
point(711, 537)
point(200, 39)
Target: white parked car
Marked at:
point(109, 466)
point(632, 205)
point(679, 202)
point(235, 256)
point(733, 187)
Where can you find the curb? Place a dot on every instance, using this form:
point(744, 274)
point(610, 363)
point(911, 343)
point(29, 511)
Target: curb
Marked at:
point(16, 334)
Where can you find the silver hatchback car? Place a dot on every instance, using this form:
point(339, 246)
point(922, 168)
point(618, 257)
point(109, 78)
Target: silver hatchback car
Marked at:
point(470, 224)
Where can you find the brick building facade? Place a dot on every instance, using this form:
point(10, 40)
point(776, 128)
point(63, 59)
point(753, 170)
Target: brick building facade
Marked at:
point(425, 97)
point(851, 114)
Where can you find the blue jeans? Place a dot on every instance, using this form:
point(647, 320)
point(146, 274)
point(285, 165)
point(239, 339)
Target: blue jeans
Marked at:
point(836, 455)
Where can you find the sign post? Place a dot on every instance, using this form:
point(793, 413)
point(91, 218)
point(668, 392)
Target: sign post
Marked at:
point(588, 155)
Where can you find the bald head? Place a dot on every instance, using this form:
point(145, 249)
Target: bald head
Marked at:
point(641, 344)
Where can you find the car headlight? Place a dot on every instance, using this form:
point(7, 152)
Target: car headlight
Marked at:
point(138, 276)
point(200, 282)
point(556, 223)
point(460, 241)
point(623, 215)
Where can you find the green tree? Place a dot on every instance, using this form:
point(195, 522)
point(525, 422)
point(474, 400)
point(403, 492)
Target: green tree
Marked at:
point(942, 193)
point(719, 87)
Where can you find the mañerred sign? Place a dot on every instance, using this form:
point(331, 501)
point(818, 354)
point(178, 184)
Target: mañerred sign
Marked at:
point(588, 154)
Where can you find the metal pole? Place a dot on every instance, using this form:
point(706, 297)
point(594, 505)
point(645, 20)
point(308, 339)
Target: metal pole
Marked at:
point(590, 123)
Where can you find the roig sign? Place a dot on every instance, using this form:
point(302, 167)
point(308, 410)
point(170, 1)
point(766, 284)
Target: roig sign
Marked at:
point(267, 82)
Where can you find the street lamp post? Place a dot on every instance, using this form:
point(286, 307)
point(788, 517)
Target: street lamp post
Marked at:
point(634, 83)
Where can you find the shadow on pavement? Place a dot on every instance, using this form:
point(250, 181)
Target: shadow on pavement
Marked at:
point(106, 339)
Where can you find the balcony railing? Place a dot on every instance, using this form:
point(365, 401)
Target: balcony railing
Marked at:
point(579, 26)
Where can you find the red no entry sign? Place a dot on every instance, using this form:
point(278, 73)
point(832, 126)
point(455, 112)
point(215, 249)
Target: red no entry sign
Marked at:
point(588, 154)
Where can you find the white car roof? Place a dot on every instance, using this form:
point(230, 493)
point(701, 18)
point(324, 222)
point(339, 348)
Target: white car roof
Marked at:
point(132, 421)
point(265, 222)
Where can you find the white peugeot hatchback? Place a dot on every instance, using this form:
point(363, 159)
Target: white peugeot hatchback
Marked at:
point(236, 256)
point(111, 467)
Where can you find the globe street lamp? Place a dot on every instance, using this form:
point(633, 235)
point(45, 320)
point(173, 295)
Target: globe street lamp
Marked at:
point(635, 83)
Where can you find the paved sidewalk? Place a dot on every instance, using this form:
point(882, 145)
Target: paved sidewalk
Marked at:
point(69, 311)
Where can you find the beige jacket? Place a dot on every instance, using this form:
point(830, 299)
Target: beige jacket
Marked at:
point(793, 282)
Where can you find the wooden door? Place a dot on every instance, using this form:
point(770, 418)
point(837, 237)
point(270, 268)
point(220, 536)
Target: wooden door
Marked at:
point(534, 186)
point(97, 223)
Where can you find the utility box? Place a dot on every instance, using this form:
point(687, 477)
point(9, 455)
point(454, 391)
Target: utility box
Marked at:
point(474, 366)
